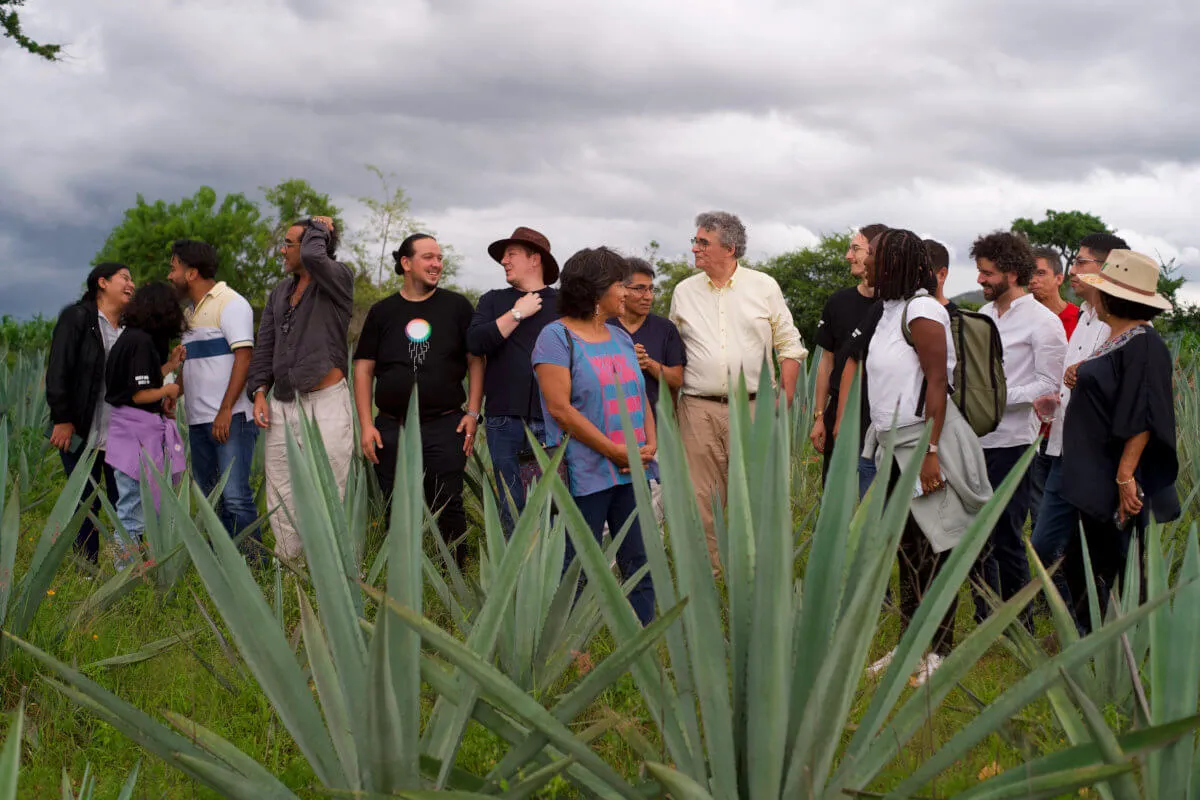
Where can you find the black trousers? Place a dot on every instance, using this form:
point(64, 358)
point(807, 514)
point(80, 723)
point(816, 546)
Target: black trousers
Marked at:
point(444, 462)
point(1108, 549)
point(1003, 565)
point(918, 566)
point(87, 539)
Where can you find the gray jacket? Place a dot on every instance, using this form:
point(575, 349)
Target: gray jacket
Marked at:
point(942, 515)
point(292, 356)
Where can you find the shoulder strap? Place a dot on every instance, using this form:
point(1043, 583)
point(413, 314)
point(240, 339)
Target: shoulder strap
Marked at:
point(570, 349)
point(904, 321)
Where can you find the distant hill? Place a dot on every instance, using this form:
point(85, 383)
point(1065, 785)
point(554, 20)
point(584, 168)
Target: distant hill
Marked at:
point(973, 299)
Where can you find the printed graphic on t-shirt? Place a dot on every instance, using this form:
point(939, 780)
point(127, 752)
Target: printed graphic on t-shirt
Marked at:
point(418, 332)
point(613, 369)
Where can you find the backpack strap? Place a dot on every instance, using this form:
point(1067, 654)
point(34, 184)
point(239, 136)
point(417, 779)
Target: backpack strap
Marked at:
point(570, 351)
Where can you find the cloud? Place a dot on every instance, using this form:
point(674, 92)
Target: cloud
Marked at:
point(606, 123)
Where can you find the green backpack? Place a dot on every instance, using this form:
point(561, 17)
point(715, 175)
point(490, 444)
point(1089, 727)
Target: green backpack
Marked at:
point(978, 387)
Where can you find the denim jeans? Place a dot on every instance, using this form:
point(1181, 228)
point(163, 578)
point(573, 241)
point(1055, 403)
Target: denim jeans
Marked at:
point(866, 474)
point(506, 441)
point(129, 514)
point(1057, 524)
point(1002, 565)
point(87, 540)
point(210, 459)
point(614, 506)
point(1039, 471)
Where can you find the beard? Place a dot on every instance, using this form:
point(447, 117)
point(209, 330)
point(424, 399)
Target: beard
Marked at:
point(991, 292)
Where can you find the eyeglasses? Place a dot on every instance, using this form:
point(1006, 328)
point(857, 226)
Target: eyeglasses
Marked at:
point(640, 289)
point(1078, 260)
point(289, 243)
point(701, 244)
point(858, 248)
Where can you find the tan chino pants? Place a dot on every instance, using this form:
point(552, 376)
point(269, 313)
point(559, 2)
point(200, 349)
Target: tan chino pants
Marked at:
point(330, 409)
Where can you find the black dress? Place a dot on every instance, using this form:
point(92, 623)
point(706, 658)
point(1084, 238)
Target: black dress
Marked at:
point(1122, 391)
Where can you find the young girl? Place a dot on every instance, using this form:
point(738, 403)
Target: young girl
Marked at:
point(140, 432)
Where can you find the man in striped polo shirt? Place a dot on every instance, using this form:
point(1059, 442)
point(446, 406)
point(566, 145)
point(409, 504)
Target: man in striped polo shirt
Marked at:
point(219, 341)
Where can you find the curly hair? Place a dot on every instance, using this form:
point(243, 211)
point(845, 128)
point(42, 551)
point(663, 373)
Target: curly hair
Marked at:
point(1009, 252)
point(729, 229)
point(585, 278)
point(155, 309)
point(902, 266)
point(331, 245)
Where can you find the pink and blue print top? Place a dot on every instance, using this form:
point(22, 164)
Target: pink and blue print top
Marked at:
point(597, 370)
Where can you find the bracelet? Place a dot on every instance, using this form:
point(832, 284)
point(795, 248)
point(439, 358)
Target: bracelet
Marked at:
point(476, 415)
point(818, 416)
point(1126, 483)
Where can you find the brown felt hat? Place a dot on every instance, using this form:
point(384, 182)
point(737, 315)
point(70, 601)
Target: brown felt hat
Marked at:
point(530, 238)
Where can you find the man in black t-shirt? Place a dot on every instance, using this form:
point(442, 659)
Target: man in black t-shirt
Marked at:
point(843, 313)
point(418, 338)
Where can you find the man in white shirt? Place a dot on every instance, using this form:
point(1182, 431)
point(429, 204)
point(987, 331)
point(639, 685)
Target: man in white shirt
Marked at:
point(1057, 520)
point(730, 319)
point(1034, 347)
point(220, 342)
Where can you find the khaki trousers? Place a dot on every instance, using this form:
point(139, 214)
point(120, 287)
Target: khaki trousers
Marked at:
point(330, 408)
point(704, 425)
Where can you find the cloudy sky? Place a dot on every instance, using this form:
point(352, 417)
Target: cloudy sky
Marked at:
point(608, 122)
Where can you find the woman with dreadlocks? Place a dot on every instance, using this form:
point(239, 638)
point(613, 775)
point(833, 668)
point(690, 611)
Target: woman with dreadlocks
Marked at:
point(908, 357)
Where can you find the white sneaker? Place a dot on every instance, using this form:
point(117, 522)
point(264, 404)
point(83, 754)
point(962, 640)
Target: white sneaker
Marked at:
point(926, 668)
point(882, 664)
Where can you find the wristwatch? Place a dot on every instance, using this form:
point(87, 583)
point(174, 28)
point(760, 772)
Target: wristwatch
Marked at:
point(932, 449)
point(517, 315)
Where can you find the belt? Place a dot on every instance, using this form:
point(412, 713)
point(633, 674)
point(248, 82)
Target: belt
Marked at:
point(716, 398)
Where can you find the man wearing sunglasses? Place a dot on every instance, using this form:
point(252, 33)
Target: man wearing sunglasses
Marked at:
point(301, 358)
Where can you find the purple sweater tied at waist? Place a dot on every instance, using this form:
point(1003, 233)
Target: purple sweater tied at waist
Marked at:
point(132, 433)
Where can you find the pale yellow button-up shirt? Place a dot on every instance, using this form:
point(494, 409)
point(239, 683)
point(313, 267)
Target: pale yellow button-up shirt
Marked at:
point(731, 329)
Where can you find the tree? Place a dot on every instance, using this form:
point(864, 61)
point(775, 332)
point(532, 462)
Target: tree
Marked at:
point(668, 275)
point(292, 200)
point(10, 23)
point(235, 227)
point(390, 223)
point(1061, 230)
point(808, 277)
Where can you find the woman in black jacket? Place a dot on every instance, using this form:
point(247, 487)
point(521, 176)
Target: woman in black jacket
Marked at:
point(83, 335)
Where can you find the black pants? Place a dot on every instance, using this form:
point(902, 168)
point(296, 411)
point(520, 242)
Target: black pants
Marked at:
point(1108, 549)
point(87, 540)
point(919, 565)
point(1002, 565)
point(444, 462)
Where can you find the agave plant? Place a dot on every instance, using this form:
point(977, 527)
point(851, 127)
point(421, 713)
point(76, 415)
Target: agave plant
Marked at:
point(362, 730)
point(23, 406)
point(763, 713)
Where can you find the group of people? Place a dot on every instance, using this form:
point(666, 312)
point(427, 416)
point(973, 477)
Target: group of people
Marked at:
point(564, 365)
point(1094, 382)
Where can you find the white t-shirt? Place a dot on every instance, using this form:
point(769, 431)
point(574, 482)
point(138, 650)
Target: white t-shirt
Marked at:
point(221, 323)
point(894, 375)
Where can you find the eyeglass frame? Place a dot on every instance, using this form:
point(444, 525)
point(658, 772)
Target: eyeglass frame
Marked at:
point(650, 290)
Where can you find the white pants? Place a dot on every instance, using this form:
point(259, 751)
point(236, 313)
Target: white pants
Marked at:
point(330, 409)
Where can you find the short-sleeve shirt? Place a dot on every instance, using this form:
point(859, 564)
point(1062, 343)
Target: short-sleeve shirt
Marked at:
point(134, 364)
point(663, 343)
point(844, 312)
point(219, 324)
point(894, 372)
point(597, 370)
point(1124, 390)
point(422, 344)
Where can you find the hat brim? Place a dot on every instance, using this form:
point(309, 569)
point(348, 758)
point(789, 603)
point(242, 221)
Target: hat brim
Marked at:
point(549, 265)
point(1108, 287)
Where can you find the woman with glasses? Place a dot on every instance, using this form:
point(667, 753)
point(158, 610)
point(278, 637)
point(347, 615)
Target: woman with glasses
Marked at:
point(587, 371)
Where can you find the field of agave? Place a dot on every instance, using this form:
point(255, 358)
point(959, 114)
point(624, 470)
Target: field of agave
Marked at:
point(382, 670)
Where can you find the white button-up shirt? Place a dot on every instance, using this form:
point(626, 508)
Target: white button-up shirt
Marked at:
point(732, 328)
point(1035, 345)
point(1089, 334)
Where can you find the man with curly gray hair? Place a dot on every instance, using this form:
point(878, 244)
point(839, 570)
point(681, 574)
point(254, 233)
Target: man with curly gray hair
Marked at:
point(731, 318)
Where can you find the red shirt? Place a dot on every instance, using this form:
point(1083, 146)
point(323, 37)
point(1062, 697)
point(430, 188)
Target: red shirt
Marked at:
point(1070, 318)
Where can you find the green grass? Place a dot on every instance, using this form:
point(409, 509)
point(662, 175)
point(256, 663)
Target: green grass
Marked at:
point(199, 681)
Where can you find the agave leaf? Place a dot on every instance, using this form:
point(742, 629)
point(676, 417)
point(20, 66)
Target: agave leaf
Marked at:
point(130, 782)
point(329, 689)
point(1123, 786)
point(10, 756)
point(227, 754)
point(679, 785)
point(146, 653)
point(537, 779)
point(1021, 694)
point(516, 701)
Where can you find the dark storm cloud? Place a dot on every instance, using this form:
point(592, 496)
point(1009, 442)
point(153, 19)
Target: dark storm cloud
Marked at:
point(613, 122)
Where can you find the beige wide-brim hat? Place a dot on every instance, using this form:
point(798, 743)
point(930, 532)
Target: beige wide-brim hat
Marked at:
point(1130, 276)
